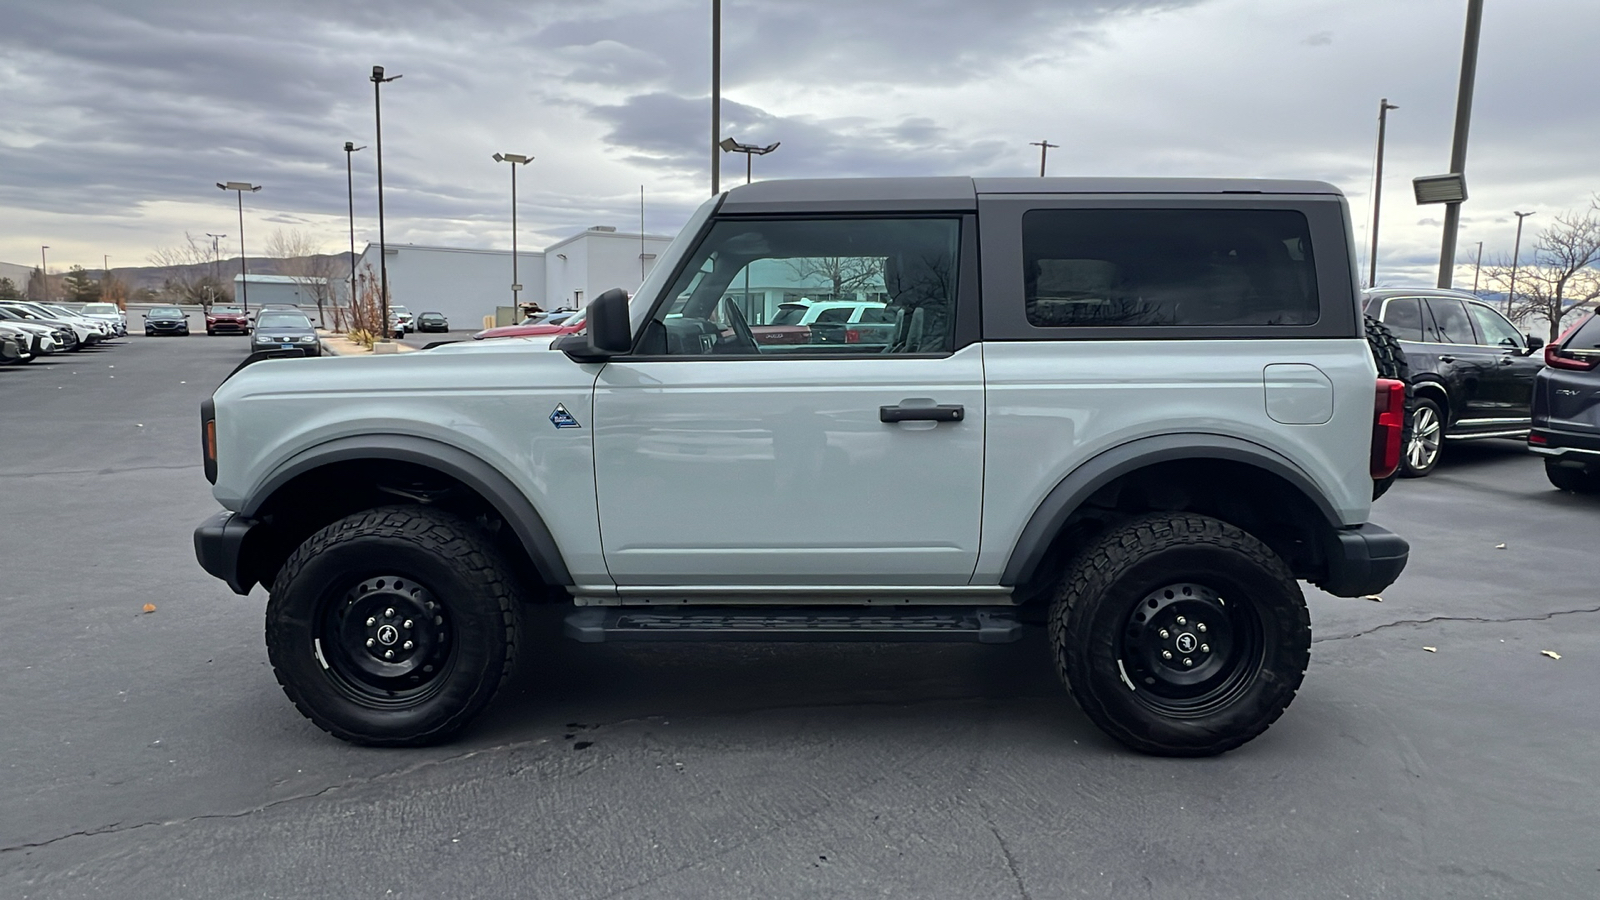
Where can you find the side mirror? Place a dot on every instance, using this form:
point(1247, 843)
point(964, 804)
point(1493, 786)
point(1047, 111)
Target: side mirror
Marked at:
point(1534, 343)
point(607, 332)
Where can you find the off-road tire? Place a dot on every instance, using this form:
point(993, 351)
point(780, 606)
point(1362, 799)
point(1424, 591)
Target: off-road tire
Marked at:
point(441, 557)
point(1390, 358)
point(1109, 584)
point(1566, 478)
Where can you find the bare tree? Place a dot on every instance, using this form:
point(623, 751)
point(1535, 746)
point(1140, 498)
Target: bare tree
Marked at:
point(844, 274)
point(1561, 275)
point(301, 258)
point(190, 273)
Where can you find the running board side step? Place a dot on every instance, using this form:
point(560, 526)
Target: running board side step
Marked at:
point(593, 625)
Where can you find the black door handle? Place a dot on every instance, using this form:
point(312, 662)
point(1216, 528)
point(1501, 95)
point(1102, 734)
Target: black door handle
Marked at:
point(1447, 359)
point(953, 412)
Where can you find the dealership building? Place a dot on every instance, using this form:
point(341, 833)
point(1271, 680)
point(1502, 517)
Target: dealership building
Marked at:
point(468, 285)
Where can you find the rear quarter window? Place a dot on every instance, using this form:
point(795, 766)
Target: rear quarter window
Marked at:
point(1099, 268)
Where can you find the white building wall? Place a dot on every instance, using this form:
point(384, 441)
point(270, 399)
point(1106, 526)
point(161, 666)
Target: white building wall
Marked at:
point(465, 285)
point(597, 261)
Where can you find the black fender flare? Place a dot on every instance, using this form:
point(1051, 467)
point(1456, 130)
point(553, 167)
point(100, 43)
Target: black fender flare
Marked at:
point(1081, 484)
point(507, 500)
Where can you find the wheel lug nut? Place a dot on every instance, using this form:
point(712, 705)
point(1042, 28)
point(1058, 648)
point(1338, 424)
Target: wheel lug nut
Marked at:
point(1166, 654)
point(1182, 620)
point(388, 613)
point(388, 654)
point(1165, 634)
point(371, 621)
point(1187, 661)
point(1200, 627)
point(370, 642)
point(1205, 648)
point(407, 645)
point(406, 624)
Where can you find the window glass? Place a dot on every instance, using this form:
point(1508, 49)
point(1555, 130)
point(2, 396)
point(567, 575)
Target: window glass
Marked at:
point(1451, 322)
point(283, 320)
point(877, 315)
point(1403, 315)
point(1140, 267)
point(786, 267)
point(1493, 327)
point(1587, 337)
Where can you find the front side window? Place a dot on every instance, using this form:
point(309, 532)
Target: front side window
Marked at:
point(1182, 267)
point(776, 271)
point(1493, 327)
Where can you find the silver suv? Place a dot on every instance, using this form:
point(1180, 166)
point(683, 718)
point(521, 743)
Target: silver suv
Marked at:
point(1135, 412)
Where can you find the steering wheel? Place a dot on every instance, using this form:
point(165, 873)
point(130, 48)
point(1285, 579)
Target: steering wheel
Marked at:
point(744, 340)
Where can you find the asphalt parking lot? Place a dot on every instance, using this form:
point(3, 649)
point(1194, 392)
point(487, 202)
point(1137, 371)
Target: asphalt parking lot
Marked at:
point(153, 755)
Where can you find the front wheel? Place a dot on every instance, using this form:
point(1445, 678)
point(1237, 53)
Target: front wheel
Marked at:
point(1180, 635)
point(392, 627)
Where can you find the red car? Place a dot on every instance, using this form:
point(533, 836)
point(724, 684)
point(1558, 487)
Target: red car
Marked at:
point(230, 319)
point(567, 325)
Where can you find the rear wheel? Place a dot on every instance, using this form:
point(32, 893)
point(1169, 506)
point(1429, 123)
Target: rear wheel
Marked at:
point(392, 627)
point(1576, 480)
point(1426, 441)
point(1180, 635)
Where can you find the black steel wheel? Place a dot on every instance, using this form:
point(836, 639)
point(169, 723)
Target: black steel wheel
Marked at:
point(1180, 635)
point(392, 627)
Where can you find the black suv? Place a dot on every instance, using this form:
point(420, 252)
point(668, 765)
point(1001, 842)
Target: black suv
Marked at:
point(1471, 370)
point(1566, 409)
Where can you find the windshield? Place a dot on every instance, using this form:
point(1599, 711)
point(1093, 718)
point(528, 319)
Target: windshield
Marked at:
point(99, 308)
point(227, 311)
point(283, 320)
point(166, 311)
point(400, 310)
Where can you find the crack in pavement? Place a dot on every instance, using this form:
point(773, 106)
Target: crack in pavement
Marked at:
point(99, 471)
point(1480, 619)
point(1011, 862)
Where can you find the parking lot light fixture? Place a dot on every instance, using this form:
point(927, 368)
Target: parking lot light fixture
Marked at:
point(1516, 250)
point(515, 159)
point(350, 188)
point(239, 187)
point(378, 81)
point(729, 145)
point(1377, 189)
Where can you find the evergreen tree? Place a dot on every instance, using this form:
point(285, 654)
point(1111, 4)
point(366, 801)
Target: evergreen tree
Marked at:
point(8, 290)
point(81, 286)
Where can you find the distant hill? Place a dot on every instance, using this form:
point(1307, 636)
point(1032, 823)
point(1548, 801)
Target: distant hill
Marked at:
point(154, 277)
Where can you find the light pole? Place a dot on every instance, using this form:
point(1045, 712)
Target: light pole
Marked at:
point(44, 275)
point(378, 81)
point(516, 159)
point(1377, 190)
point(729, 145)
point(350, 188)
point(216, 260)
point(1477, 267)
point(1044, 147)
point(716, 96)
point(1458, 145)
point(240, 187)
point(1516, 250)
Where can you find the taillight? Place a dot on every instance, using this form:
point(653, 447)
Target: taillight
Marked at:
point(852, 336)
point(1555, 359)
point(1388, 420)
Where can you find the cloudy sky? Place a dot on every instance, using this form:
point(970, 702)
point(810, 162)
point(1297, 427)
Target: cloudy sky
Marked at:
point(116, 118)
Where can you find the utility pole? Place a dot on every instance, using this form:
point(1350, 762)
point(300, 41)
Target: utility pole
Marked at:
point(1458, 146)
point(716, 96)
point(350, 194)
point(44, 275)
point(1476, 267)
point(1377, 190)
point(378, 81)
point(1516, 250)
point(1044, 147)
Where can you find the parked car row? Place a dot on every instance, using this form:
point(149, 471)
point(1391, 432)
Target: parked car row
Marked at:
point(29, 330)
point(555, 322)
point(807, 321)
point(1474, 376)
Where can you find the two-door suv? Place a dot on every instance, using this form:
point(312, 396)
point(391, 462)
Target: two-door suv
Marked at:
point(1136, 411)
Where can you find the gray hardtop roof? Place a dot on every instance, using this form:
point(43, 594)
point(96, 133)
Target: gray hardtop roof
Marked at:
point(961, 193)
